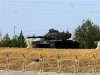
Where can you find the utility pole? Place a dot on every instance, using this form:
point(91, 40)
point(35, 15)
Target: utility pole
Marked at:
point(14, 30)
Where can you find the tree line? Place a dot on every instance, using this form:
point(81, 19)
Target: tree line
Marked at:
point(86, 34)
point(17, 41)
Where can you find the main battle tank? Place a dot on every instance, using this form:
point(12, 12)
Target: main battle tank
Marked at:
point(55, 39)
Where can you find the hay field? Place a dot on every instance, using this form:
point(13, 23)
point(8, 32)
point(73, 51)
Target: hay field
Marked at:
point(50, 64)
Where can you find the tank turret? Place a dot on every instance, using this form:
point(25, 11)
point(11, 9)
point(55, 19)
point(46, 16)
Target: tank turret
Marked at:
point(56, 35)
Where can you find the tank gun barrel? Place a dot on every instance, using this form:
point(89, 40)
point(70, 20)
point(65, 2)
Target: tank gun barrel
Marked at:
point(36, 37)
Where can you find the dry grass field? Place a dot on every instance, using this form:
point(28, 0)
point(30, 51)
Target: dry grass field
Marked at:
point(85, 57)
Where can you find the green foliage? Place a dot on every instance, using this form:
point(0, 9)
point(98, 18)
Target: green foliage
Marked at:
point(17, 41)
point(87, 33)
point(21, 40)
point(6, 42)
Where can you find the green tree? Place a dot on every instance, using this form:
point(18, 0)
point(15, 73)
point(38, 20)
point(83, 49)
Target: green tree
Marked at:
point(21, 40)
point(87, 33)
point(6, 42)
point(15, 41)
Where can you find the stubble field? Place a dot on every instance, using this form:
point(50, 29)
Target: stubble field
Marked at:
point(68, 59)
